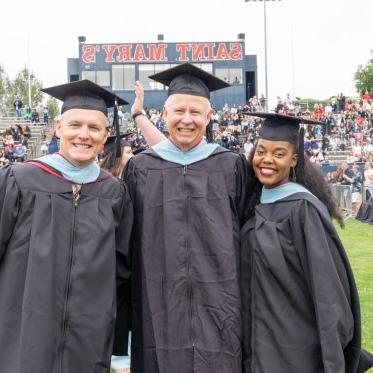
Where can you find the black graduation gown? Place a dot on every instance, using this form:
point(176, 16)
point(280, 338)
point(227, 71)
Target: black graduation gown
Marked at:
point(300, 305)
point(185, 287)
point(57, 270)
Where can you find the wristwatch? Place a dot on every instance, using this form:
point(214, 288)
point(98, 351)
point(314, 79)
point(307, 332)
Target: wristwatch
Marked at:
point(140, 112)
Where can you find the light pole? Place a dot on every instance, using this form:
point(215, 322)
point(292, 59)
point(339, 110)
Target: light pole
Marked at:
point(28, 69)
point(265, 48)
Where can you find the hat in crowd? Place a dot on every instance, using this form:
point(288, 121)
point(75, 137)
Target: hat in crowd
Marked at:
point(110, 143)
point(189, 79)
point(84, 94)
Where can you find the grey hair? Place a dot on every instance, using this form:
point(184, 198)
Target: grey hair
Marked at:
point(167, 103)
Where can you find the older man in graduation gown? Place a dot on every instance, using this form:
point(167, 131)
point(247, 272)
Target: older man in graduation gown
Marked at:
point(63, 221)
point(188, 196)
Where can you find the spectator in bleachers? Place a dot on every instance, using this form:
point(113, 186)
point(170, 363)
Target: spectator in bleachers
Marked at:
point(328, 109)
point(27, 113)
point(9, 152)
point(318, 112)
point(366, 97)
point(2, 154)
point(316, 155)
point(3, 159)
point(234, 144)
point(341, 99)
point(18, 132)
point(343, 174)
point(24, 141)
point(368, 180)
point(52, 147)
point(27, 131)
point(8, 140)
point(356, 180)
point(120, 115)
point(34, 116)
point(45, 116)
point(248, 146)
point(368, 150)
point(20, 153)
point(18, 107)
point(262, 102)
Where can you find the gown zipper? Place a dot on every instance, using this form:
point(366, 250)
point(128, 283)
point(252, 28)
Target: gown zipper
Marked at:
point(189, 281)
point(65, 317)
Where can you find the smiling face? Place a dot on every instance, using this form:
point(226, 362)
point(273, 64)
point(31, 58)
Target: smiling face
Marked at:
point(82, 134)
point(187, 117)
point(272, 162)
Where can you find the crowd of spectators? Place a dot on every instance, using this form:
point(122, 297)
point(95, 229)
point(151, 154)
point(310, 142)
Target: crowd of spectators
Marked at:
point(347, 132)
point(14, 144)
point(32, 115)
point(348, 126)
point(14, 139)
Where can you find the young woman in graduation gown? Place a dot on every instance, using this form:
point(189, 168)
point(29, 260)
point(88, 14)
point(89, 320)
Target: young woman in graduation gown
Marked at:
point(300, 305)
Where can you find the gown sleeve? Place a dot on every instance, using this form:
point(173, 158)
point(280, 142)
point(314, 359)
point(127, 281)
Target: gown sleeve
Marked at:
point(123, 319)
point(328, 278)
point(128, 176)
point(241, 188)
point(9, 206)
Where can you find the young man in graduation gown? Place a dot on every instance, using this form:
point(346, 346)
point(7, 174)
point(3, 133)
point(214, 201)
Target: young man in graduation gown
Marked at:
point(63, 221)
point(188, 196)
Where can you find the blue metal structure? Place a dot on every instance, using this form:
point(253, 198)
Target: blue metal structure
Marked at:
point(116, 66)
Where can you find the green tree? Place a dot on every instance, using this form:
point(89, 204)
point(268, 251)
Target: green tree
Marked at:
point(19, 87)
point(53, 107)
point(2, 91)
point(364, 78)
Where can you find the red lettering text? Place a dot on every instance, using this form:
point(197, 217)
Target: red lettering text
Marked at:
point(222, 53)
point(182, 49)
point(236, 51)
point(89, 54)
point(157, 52)
point(124, 53)
point(139, 54)
point(109, 50)
point(198, 52)
point(210, 51)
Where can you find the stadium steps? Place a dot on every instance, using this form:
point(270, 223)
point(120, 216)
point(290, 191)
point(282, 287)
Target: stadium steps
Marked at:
point(336, 157)
point(37, 133)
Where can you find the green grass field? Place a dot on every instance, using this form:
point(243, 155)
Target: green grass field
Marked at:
point(357, 238)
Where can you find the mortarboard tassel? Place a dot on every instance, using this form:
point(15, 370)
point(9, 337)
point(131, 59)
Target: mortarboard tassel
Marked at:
point(301, 147)
point(117, 132)
point(209, 133)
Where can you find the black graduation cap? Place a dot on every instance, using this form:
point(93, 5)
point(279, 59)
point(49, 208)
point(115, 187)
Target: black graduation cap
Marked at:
point(279, 127)
point(110, 143)
point(84, 94)
point(189, 79)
